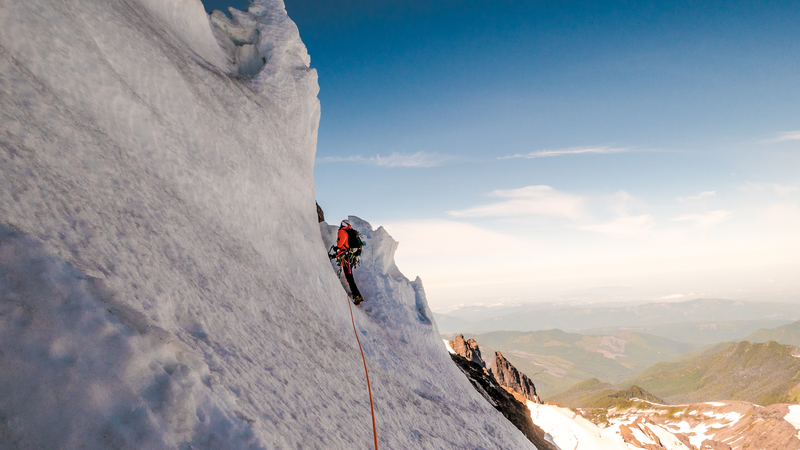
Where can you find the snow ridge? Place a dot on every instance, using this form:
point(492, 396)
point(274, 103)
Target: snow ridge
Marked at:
point(163, 275)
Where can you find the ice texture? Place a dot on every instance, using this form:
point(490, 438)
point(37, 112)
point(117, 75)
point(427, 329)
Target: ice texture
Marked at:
point(164, 281)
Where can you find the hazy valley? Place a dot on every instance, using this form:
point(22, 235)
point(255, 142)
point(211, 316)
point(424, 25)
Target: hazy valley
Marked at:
point(636, 390)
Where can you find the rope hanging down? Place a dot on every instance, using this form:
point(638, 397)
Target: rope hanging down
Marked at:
point(366, 372)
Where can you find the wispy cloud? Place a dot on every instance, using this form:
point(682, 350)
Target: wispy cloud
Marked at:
point(624, 227)
point(419, 159)
point(779, 189)
point(783, 137)
point(529, 200)
point(705, 222)
point(621, 202)
point(569, 151)
point(694, 198)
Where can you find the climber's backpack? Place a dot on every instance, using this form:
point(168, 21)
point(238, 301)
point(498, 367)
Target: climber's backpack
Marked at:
point(354, 241)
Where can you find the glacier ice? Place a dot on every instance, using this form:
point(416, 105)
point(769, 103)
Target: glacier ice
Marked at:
point(164, 279)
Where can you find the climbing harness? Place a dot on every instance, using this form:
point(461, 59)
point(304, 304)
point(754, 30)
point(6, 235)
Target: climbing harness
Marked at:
point(366, 372)
point(350, 256)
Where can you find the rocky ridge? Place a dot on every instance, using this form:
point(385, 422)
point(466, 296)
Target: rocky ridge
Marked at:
point(504, 401)
point(507, 375)
point(467, 348)
point(508, 396)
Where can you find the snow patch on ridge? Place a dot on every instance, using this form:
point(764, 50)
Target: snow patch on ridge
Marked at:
point(794, 417)
point(570, 431)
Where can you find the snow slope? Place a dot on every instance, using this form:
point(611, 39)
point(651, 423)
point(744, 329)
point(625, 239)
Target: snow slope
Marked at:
point(570, 431)
point(163, 278)
point(647, 425)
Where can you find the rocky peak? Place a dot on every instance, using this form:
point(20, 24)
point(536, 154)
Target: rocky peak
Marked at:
point(468, 349)
point(508, 404)
point(508, 376)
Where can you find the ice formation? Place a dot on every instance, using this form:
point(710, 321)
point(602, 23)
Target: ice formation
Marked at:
point(163, 276)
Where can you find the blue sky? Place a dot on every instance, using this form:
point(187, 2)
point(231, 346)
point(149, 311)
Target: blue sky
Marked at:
point(643, 150)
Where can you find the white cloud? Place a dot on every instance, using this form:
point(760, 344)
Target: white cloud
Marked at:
point(569, 151)
point(783, 137)
point(529, 200)
point(694, 198)
point(448, 239)
point(419, 159)
point(672, 297)
point(624, 227)
point(705, 222)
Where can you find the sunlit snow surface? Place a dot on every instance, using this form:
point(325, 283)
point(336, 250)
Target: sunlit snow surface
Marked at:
point(794, 417)
point(571, 431)
point(164, 280)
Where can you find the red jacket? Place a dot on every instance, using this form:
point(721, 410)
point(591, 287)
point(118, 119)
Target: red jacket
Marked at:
point(343, 241)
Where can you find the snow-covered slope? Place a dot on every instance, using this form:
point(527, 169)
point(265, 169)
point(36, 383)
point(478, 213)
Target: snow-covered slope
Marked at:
point(163, 278)
point(644, 425)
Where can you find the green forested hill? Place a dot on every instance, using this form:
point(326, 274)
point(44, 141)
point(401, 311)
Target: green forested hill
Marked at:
point(787, 334)
point(594, 394)
point(762, 373)
point(583, 393)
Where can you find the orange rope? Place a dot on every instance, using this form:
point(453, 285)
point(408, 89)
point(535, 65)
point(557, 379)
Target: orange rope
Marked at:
point(369, 389)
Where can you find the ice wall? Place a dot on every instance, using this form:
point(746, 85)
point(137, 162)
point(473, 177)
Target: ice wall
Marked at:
point(163, 278)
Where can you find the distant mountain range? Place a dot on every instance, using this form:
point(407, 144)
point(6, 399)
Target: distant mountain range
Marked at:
point(718, 319)
point(555, 360)
point(698, 334)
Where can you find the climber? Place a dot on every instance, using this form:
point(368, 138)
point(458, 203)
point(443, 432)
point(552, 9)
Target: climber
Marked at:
point(347, 251)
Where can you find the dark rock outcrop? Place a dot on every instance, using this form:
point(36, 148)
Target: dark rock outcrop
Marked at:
point(320, 214)
point(508, 376)
point(468, 349)
point(515, 411)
